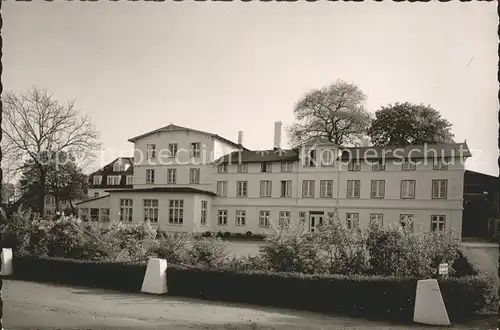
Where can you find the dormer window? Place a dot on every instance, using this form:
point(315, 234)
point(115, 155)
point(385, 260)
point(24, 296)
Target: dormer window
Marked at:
point(408, 165)
point(310, 159)
point(130, 179)
point(118, 168)
point(379, 165)
point(266, 167)
point(97, 180)
point(113, 180)
point(440, 164)
point(327, 157)
point(222, 168)
point(354, 165)
point(151, 151)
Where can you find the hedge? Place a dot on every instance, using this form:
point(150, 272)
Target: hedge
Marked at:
point(120, 276)
point(386, 298)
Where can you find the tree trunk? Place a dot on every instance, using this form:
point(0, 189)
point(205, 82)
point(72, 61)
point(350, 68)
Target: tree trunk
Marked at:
point(41, 201)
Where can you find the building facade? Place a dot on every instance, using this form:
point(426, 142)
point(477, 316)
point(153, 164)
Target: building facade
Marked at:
point(193, 181)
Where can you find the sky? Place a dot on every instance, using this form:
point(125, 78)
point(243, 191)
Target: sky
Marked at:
point(228, 67)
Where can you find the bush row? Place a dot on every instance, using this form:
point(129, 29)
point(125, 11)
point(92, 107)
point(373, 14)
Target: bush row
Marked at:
point(389, 298)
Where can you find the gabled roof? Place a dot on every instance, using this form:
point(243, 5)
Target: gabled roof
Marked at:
point(247, 156)
point(108, 168)
point(176, 128)
point(185, 190)
point(411, 151)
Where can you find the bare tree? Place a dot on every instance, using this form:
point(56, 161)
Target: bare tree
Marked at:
point(335, 113)
point(37, 129)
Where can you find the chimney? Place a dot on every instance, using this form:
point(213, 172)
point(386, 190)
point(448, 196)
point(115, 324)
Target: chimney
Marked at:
point(240, 138)
point(277, 135)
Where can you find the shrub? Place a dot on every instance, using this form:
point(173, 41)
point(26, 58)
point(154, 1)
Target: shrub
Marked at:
point(248, 233)
point(207, 252)
point(227, 234)
point(171, 247)
point(134, 239)
point(296, 253)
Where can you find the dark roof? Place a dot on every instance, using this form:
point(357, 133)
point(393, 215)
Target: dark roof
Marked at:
point(186, 190)
point(108, 170)
point(174, 128)
point(413, 151)
point(91, 199)
point(247, 156)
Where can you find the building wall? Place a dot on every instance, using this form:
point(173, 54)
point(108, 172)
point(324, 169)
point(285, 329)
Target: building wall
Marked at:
point(210, 148)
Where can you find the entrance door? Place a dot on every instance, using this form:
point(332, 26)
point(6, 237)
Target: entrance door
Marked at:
point(315, 220)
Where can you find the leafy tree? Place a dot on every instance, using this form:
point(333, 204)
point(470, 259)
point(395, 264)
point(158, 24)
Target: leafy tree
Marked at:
point(334, 112)
point(405, 123)
point(36, 128)
point(65, 181)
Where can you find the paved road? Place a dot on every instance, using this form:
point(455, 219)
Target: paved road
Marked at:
point(29, 305)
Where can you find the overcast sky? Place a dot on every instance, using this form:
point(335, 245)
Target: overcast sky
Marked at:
point(225, 67)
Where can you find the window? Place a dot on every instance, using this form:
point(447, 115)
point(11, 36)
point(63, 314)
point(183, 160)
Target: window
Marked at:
point(378, 166)
point(265, 188)
point(203, 220)
point(352, 220)
point(222, 168)
point(286, 167)
point(105, 215)
point(353, 188)
point(171, 176)
point(284, 221)
point(440, 164)
point(126, 206)
point(408, 189)
point(439, 189)
point(286, 188)
point(176, 211)
point(264, 218)
point(50, 200)
point(118, 168)
point(194, 175)
point(195, 149)
point(377, 218)
point(327, 157)
point(222, 188)
point(377, 189)
point(222, 218)
point(302, 216)
point(84, 215)
point(354, 166)
point(406, 221)
point(308, 188)
point(241, 188)
point(326, 188)
point(172, 149)
point(310, 159)
point(130, 179)
point(151, 210)
point(408, 165)
point(151, 151)
point(94, 214)
point(113, 180)
point(96, 194)
point(240, 217)
point(242, 168)
point(97, 179)
point(150, 176)
point(266, 167)
point(438, 222)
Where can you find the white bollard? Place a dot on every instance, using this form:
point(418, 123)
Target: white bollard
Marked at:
point(429, 304)
point(6, 262)
point(155, 279)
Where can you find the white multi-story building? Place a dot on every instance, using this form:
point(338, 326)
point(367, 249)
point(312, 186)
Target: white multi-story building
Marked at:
point(193, 181)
